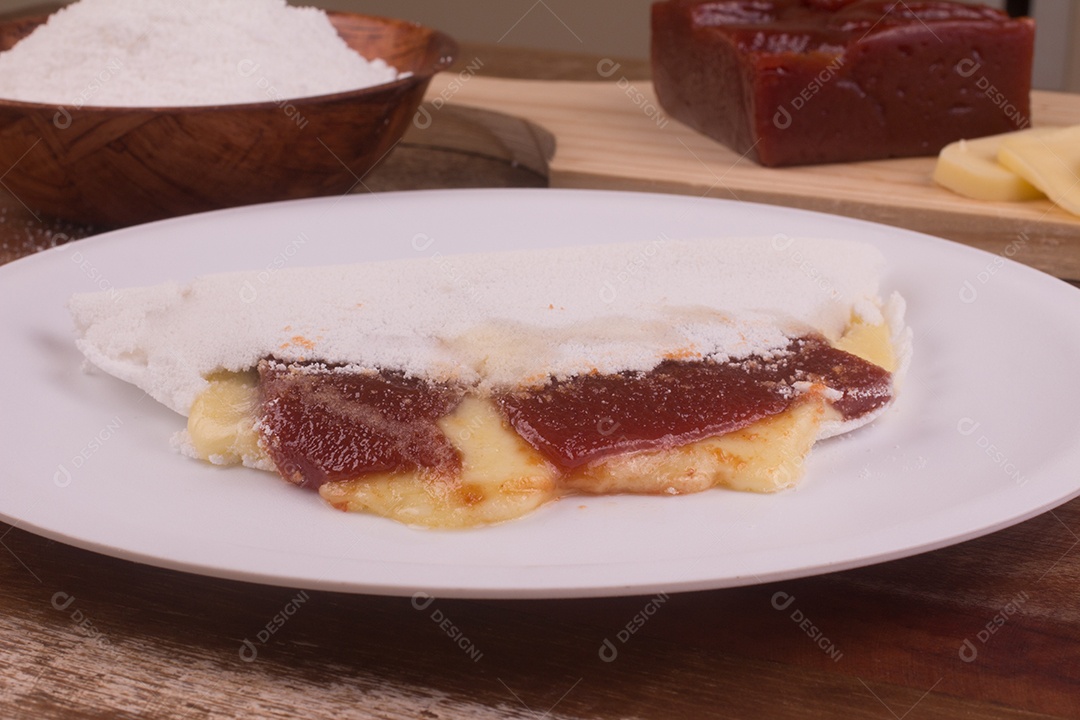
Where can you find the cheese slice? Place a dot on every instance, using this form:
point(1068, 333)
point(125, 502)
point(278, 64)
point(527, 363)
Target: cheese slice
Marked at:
point(971, 168)
point(1048, 160)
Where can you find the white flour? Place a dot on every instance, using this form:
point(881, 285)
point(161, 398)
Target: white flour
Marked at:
point(131, 53)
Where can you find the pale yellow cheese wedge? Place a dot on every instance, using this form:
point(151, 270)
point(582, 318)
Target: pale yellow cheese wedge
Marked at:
point(1050, 161)
point(971, 168)
point(872, 343)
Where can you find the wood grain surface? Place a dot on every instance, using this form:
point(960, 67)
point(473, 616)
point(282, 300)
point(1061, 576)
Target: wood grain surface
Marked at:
point(986, 629)
point(614, 135)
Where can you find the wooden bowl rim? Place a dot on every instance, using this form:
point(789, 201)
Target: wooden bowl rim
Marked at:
point(446, 47)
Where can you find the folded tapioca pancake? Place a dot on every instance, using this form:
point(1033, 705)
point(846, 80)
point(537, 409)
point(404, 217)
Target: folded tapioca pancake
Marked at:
point(507, 330)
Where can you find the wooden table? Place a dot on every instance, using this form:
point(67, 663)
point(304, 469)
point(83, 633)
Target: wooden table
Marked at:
point(986, 629)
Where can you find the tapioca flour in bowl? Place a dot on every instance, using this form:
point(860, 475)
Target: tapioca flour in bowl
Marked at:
point(173, 53)
point(117, 112)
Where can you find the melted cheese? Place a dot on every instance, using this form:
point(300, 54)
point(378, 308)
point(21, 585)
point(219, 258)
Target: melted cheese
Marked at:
point(221, 426)
point(503, 477)
point(764, 457)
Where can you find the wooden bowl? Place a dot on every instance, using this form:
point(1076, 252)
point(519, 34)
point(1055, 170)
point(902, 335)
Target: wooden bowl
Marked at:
point(119, 166)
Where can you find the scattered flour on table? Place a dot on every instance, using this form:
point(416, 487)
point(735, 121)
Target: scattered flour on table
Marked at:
point(131, 53)
point(22, 234)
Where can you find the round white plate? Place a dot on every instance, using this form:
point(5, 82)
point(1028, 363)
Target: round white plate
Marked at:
point(985, 434)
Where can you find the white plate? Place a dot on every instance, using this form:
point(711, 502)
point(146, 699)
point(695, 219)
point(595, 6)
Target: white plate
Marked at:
point(985, 434)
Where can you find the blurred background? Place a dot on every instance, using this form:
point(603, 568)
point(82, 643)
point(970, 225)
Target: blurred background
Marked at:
point(620, 28)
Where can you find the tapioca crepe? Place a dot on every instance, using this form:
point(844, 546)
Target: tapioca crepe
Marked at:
point(465, 390)
point(494, 319)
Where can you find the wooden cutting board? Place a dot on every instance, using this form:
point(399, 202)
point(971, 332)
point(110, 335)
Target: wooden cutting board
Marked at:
point(614, 135)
